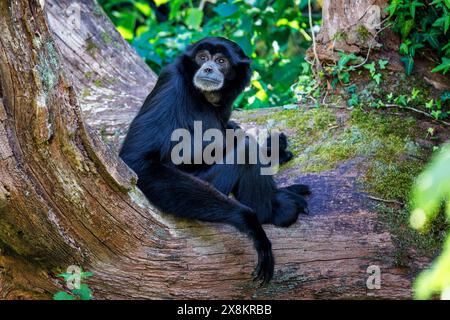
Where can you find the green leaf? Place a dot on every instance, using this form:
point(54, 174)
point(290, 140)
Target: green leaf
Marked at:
point(392, 8)
point(407, 27)
point(84, 293)
point(414, 93)
point(401, 100)
point(65, 275)
point(431, 188)
point(413, 48)
point(443, 22)
point(346, 58)
point(61, 295)
point(84, 275)
point(408, 61)
point(377, 78)
point(334, 82)
point(370, 67)
point(413, 6)
point(446, 48)
point(194, 18)
point(443, 67)
point(245, 43)
point(445, 96)
point(125, 33)
point(226, 10)
point(353, 101)
point(436, 114)
point(175, 6)
point(438, 104)
point(344, 77)
point(126, 25)
point(160, 2)
point(382, 64)
point(404, 47)
point(143, 7)
point(433, 38)
point(352, 89)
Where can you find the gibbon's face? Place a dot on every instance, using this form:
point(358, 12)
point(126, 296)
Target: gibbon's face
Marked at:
point(213, 69)
point(218, 68)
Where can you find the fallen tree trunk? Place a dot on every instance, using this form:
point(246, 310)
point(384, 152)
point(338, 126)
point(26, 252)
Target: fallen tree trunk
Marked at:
point(66, 198)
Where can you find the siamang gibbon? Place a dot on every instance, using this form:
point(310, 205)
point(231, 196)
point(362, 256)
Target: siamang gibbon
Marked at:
point(201, 85)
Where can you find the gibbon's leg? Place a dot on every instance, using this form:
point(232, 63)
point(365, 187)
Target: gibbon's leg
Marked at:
point(257, 191)
point(246, 184)
point(280, 207)
point(184, 195)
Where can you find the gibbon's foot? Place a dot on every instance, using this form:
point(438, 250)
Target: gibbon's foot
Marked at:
point(300, 200)
point(286, 206)
point(300, 189)
point(287, 156)
point(288, 203)
point(284, 155)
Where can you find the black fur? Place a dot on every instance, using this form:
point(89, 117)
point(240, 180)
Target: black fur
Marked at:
point(202, 191)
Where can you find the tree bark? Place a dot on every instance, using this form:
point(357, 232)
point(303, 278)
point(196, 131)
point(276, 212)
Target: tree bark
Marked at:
point(67, 199)
point(111, 80)
point(349, 26)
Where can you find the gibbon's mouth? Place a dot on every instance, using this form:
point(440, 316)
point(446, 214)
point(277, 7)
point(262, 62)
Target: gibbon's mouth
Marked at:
point(207, 83)
point(212, 80)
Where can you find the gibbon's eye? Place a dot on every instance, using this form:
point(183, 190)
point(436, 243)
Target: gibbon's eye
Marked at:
point(220, 60)
point(203, 57)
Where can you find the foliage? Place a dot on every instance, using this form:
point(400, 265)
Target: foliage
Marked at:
point(423, 25)
point(341, 71)
point(412, 24)
point(81, 293)
point(306, 86)
point(431, 190)
point(273, 33)
point(376, 76)
point(341, 74)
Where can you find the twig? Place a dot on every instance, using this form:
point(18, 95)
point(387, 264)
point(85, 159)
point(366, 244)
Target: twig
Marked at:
point(311, 26)
point(333, 127)
point(325, 97)
point(417, 111)
point(371, 44)
point(334, 106)
point(385, 200)
point(313, 99)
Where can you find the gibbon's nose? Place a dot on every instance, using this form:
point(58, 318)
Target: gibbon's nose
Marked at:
point(207, 70)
